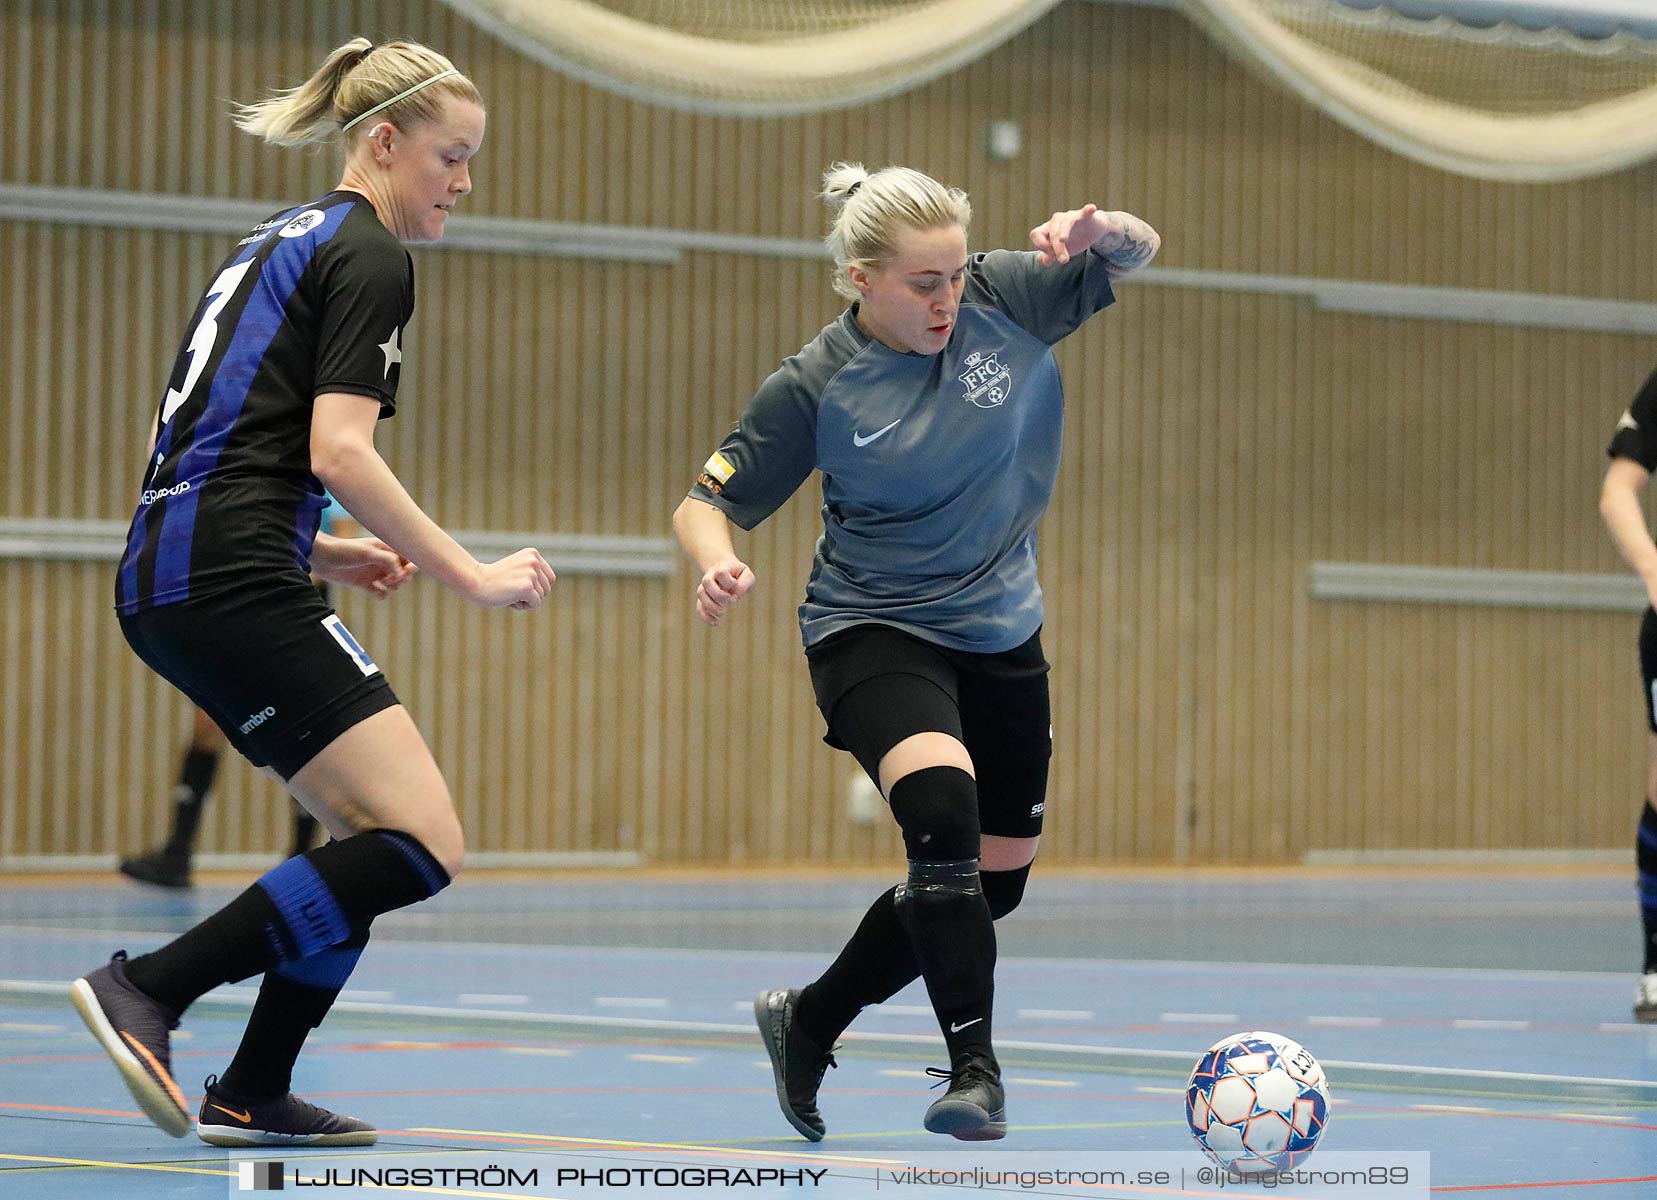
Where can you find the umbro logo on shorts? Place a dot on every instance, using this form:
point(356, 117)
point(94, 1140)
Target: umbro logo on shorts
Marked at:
point(257, 719)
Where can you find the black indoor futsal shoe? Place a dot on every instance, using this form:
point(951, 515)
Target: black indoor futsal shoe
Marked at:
point(974, 1109)
point(797, 1063)
point(136, 1032)
point(228, 1120)
point(162, 867)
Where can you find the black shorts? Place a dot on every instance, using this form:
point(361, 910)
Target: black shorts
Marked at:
point(275, 669)
point(877, 685)
point(1648, 665)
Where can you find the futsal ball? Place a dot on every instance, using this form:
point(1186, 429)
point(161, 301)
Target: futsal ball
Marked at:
point(1257, 1103)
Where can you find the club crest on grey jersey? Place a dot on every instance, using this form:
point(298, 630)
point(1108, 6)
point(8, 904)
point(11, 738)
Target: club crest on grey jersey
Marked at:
point(987, 382)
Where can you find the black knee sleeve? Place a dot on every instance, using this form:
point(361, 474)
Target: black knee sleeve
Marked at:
point(1004, 889)
point(937, 809)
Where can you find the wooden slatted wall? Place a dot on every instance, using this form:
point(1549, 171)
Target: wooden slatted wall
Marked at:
point(1218, 443)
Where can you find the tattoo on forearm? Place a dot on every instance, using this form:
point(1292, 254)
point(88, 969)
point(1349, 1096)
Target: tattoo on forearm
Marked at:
point(1138, 245)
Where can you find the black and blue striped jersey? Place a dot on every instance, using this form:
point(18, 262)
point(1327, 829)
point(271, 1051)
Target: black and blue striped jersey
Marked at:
point(313, 300)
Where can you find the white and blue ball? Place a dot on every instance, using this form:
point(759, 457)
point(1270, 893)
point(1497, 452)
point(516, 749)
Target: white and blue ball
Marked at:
point(1257, 1103)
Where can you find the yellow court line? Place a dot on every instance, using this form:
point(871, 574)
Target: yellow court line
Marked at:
point(172, 1169)
point(553, 1140)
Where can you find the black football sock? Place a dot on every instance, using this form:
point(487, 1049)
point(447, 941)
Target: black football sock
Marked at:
point(295, 909)
point(195, 777)
point(1646, 856)
point(293, 1000)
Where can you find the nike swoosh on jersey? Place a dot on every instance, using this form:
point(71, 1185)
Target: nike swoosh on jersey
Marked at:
point(860, 441)
point(954, 1028)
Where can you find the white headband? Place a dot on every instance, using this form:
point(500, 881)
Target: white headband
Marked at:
point(403, 95)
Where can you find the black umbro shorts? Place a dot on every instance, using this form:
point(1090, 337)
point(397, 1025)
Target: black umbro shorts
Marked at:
point(877, 685)
point(276, 669)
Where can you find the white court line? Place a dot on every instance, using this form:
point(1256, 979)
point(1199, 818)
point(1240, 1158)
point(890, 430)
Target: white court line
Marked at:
point(1389, 1073)
point(1055, 1014)
point(25, 1027)
point(1345, 1022)
point(1451, 1108)
point(656, 956)
point(1581, 1116)
point(1053, 1083)
point(501, 998)
point(664, 1058)
point(1471, 1023)
point(630, 1001)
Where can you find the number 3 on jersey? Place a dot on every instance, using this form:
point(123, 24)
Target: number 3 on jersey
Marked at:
point(205, 335)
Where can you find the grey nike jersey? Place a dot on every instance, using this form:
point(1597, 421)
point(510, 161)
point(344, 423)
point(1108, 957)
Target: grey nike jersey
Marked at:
point(936, 468)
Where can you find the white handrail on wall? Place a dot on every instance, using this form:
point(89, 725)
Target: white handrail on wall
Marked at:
point(51, 538)
point(515, 235)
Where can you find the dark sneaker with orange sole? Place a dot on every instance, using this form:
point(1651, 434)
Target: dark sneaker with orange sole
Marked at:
point(136, 1032)
point(228, 1120)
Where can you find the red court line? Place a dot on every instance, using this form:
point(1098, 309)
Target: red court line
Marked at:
point(1564, 1120)
point(1551, 1183)
point(86, 1112)
point(1545, 1118)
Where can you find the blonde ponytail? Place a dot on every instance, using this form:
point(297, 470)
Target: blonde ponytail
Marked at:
point(357, 79)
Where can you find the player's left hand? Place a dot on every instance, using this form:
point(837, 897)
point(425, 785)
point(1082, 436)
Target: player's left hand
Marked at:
point(1065, 234)
point(363, 562)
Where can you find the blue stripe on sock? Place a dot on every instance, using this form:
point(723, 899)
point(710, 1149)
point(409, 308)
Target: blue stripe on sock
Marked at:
point(326, 969)
point(427, 867)
point(306, 905)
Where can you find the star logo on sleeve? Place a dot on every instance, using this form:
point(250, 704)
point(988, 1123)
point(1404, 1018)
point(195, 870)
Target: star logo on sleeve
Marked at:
point(392, 349)
point(1628, 421)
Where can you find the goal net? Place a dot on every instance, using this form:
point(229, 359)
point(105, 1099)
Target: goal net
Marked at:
point(1484, 97)
point(1494, 100)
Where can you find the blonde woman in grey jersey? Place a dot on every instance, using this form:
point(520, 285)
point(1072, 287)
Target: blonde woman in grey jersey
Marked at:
point(933, 408)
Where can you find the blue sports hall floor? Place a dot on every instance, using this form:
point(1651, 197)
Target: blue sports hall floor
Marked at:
point(600, 1023)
